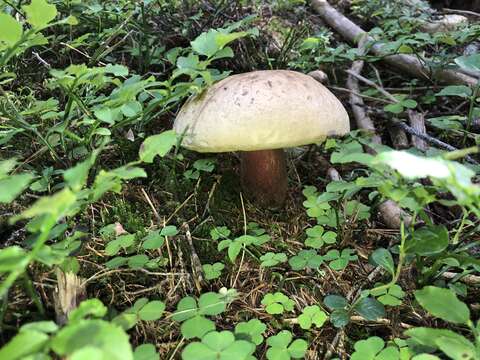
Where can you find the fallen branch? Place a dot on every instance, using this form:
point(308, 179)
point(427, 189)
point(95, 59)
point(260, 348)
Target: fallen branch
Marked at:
point(389, 211)
point(406, 63)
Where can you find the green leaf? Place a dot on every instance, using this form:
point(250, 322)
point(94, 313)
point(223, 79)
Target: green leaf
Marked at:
point(428, 240)
point(271, 259)
point(186, 308)
point(153, 240)
point(282, 347)
point(251, 331)
point(439, 338)
point(76, 177)
point(41, 326)
point(211, 304)
point(277, 303)
point(13, 185)
point(116, 262)
point(105, 337)
point(152, 311)
point(196, 327)
point(137, 261)
point(457, 349)
point(131, 108)
point(335, 302)
point(145, 352)
point(92, 307)
point(213, 271)
point(106, 115)
point(12, 258)
point(155, 145)
point(456, 90)
point(219, 346)
point(40, 13)
point(169, 230)
point(444, 304)
point(339, 318)
point(368, 349)
point(10, 30)
point(383, 258)
point(396, 108)
point(116, 69)
point(409, 103)
point(312, 315)
point(23, 344)
point(370, 308)
point(470, 62)
point(56, 205)
point(210, 42)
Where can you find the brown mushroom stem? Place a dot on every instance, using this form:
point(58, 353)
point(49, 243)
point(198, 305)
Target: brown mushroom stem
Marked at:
point(264, 176)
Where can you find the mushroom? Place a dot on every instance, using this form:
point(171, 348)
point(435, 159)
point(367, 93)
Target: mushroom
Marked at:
point(258, 114)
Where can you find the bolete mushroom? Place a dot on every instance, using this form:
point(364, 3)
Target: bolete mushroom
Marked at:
point(258, 114)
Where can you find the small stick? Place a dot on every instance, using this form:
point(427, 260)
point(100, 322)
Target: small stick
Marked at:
point(198, 275)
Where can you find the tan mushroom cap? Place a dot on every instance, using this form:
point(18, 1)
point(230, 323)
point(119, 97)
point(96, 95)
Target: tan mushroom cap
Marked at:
point(261, 110)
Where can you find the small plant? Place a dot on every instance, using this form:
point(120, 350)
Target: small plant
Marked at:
point(191, 313)
point(318, 237)
point(272, 259)
point(281, 347)
point(219, 345)
point(391, 296)
point(277, 303)
point(236, 245)
point(367, 307)
point(444, 304)
point(213, 271)
point(374, 348)
point(339, 260)
point(205, 165)
point(252, 331)
point(85, 332)
point(306, 259)
point(312, 316)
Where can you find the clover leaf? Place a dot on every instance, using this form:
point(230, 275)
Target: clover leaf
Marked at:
point(251, 331)
point(192, 314)
point(213, 271)
point(339, 261)
point(271, 259)
point(312, 315)
point(392, 296)
point(277, 303)
point(281, 347)
point(306, 259)
point(373, 348)
point(219, 345)
point(317, 237)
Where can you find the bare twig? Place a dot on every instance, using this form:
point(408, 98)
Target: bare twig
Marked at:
point(461, 12)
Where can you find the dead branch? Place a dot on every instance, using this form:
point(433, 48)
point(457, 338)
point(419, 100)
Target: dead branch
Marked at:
point(405, 63)
point(389, 211)
point(417, 121)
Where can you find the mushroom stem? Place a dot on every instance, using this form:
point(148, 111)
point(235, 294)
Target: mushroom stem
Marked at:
point(264, 176)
